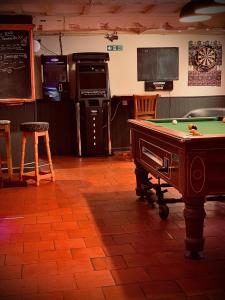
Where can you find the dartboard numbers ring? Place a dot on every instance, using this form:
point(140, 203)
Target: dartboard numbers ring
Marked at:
point(205, 58)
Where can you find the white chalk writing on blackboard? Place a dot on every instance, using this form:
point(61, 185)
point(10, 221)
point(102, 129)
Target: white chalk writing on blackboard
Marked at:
point(15, 69)
point(13, 50)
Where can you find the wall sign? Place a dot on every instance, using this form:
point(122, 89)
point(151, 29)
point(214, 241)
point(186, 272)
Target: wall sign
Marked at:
point(114, 47)
point(158, 85)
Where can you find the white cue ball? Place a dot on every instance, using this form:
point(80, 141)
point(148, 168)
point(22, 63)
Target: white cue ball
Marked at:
point(174, 122)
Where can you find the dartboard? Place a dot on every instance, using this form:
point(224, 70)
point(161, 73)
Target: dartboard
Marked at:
point(205, 58)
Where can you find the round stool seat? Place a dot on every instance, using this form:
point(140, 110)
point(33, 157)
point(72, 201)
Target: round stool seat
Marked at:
point(4, 122)
point(34, 126)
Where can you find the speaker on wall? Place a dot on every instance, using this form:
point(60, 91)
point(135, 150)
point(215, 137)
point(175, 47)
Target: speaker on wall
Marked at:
point(16, 19)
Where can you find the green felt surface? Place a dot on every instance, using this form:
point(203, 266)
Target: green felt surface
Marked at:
point(211, 125)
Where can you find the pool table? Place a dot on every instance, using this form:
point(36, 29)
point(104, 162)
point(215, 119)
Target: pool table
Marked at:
point(194, 165)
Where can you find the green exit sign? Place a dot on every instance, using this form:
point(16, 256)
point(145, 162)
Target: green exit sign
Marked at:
point(114, 48)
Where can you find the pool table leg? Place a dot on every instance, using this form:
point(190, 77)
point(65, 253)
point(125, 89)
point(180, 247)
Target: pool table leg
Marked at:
point(194, 214)
point(143, 183)
point(141, 179)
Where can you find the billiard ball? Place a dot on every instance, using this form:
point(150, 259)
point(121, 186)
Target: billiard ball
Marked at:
point(194, 132)
point(190, 126)
point(223, 120)
point(174, 122)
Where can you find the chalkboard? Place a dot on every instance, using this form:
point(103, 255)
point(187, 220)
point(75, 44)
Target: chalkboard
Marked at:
point(157, 64)
point(16, 65)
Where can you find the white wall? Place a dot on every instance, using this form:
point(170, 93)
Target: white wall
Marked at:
point(123, 64)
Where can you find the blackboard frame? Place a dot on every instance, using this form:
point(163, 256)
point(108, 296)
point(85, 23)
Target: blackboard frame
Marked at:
point(28, 28)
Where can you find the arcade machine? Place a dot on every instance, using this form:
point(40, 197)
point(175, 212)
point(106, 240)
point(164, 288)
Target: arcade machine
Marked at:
point(92, 104)
point(55, 77)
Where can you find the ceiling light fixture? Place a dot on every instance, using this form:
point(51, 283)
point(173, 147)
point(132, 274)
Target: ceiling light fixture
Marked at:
point(188, 14)
point(220, 1)
point(209, 7)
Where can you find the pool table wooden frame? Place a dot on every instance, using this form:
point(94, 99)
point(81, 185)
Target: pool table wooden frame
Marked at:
point(194, 165)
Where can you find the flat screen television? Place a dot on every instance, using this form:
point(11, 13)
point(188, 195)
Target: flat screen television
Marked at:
point(158, 64)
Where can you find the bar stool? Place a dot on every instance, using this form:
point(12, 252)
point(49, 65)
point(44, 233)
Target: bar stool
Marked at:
point(36, 130)
point(5, 133)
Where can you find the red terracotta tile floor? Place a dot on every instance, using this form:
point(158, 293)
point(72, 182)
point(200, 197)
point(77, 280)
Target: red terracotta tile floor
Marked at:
point(86, 237)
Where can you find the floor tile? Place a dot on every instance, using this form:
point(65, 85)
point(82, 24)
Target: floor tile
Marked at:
point(130, 275)
point(123, 292)
point(10, 272)
point(94, 279)
point(84, 294)
point(18, 287)
point(39, 269)
point(44, 296)
point(108, 263)
point(52, 283)
point(162, 290)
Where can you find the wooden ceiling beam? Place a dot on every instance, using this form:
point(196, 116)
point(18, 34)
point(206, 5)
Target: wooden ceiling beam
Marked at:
point(148, 8)
point(116, 9)
point(85, 9)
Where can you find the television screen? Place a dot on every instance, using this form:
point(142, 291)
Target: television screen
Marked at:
point(51, 92)
point(92, 81)
point(54, 73)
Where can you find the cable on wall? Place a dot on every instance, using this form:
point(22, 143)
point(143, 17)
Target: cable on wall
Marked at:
point(60, 43)
point(115, 111)
point(170, 105)
point(45, 48)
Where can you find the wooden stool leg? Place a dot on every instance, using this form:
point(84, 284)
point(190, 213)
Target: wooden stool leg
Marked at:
point(1, 179)
point(9, 152)
point(23, 143)
point(37, 175)
point(47, 144)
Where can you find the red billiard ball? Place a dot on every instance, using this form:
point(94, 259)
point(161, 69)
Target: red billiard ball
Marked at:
point(192, 131)
point(196, 132)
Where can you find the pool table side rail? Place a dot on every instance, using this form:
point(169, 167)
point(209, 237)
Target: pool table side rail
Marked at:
point(176, 134)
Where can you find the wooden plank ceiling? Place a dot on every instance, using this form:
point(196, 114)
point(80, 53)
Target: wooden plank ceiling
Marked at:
point(140, 16)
